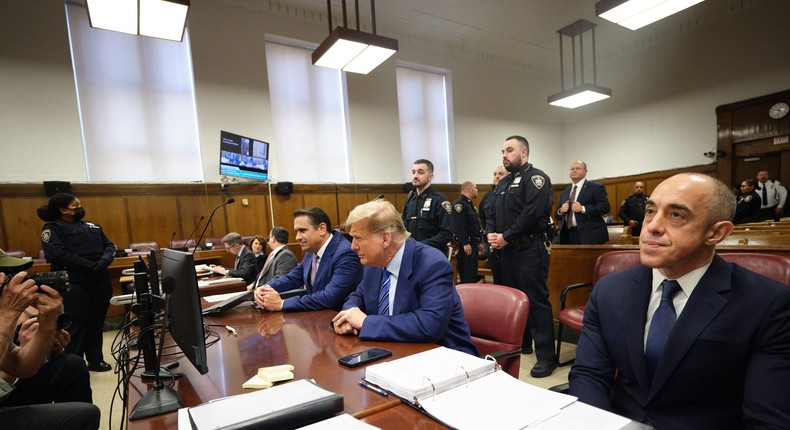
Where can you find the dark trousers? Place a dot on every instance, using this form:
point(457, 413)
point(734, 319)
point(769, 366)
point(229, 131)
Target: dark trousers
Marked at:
point(87, 302)
point(494, 263)
point(467, 265)
point(570, 236)
point(527, 270)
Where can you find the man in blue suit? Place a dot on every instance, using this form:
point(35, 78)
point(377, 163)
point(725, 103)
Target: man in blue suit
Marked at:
point(407, 293)
point(329, 271)
point(581, 213)
point(722, 358)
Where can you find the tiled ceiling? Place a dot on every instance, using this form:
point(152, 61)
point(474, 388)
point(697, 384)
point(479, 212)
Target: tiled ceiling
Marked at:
point(513, 33)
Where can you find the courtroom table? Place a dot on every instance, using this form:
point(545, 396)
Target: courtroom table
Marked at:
point(302, 339)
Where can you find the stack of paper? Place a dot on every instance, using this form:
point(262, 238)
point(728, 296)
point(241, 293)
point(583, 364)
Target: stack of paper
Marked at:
point(267, 376)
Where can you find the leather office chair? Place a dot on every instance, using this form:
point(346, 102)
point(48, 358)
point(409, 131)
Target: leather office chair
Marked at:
point(181, 244)
point(143, 248)
point(496, 316)
point(573, 317)
point(216, 242)
point(776, 267)
point(41, 259)
point(16, 254)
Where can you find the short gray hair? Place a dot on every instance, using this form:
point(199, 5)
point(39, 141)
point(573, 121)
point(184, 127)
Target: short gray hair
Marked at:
point(232, 238)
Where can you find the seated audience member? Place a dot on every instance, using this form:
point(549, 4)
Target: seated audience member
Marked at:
point(686, 340)
point(245, 259)
point(329, 271)
point(63, 378)
point(258, 247)
point(280, 260)
point(747, 208)
point(407, 293)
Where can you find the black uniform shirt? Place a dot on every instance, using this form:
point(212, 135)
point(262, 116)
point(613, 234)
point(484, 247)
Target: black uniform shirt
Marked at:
point(75, 246)
point(466, 222)
point(523, 204)
point(427, 217)
point(633, 208)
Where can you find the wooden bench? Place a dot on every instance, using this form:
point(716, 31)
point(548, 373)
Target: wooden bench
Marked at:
point(621, 234)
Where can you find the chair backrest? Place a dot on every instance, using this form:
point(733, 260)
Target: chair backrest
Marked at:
point(776, 267)
point(181, 243)
point(216, 242)
point(496, 315)
point(614, 261)
point(17, 254)
point(140, 248)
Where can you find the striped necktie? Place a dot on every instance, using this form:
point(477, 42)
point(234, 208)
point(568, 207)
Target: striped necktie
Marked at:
point(569, 223)
point(661, 325)
point(384, 293)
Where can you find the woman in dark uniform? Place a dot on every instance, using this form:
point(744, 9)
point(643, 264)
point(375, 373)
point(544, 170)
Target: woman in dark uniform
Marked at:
point(82, 249)
point(748, 200)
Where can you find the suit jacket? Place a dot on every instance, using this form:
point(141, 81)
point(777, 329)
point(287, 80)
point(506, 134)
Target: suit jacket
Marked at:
point(590, 225)
point(246, 267)
point(282, 263)
point(726, 363)
point(339, 273)
point(426, 309)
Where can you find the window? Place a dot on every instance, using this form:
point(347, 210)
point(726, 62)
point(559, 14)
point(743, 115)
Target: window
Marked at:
point(309, 115)
point(424, 109)
point(136, 103)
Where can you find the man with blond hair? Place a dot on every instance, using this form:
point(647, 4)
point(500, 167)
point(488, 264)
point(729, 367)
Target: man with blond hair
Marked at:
point(407, 292)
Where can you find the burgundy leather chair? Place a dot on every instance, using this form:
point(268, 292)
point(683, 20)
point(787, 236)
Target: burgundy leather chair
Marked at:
point(16, 254)
point(776, 267)
point(496, 316)
point(143, 248)
point(573, 317)
point(216, 242)
point(181, 243)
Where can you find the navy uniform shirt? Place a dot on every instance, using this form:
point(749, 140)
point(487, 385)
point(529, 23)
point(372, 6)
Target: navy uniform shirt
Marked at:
point(633, 208)
point(747, 208)
point(427, 217)
point(487, 206)
point(75, 246)
point(523, 204)
point(466, 222)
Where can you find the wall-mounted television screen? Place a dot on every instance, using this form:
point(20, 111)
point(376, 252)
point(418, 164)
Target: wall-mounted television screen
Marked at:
point(243, 157)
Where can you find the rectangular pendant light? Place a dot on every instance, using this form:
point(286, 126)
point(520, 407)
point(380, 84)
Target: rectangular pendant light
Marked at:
point(163, 19)
point(634, 14)
point(579, 96)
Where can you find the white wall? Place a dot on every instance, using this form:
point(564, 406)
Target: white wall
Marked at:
point(661, 116)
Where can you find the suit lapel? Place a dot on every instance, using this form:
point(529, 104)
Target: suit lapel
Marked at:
point(636, 299)
point(404, 276)
point(323, 269)
point(704, 304)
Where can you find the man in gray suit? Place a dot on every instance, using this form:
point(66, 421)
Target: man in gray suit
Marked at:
point(280, 260)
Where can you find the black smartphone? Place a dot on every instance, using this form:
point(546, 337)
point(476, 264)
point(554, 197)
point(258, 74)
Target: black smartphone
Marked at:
point(363, 357)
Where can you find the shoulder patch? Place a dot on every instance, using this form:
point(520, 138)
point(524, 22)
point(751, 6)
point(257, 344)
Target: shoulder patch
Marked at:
point(747, 199)
point(458, 207)
point(45, 235)
point(538, 181)
point(447, 206)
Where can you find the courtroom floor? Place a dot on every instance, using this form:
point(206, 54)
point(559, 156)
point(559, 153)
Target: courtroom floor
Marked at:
point(104, 384)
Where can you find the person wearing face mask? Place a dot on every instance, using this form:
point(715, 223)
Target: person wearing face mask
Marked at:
point(80, 248)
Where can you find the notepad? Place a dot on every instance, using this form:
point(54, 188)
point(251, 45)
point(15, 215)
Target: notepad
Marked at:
point(466, 392)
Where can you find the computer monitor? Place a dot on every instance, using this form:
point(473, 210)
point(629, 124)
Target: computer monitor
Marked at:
point(243, 157)
point(179, 281)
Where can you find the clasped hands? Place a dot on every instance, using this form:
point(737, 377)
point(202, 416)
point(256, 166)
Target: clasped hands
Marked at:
point(268, 298)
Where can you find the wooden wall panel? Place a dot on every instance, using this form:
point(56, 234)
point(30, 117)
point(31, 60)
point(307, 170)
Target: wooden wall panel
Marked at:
point(110, 214)
point(152, 219)
point(251, 219)
point(22, 225)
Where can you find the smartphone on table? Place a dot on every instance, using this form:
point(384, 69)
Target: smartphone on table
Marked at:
point(364, 357)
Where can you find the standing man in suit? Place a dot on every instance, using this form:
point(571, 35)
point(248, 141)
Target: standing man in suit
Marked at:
point(773, 196)
point(280, 260)
point(329, 272)
point(632, 210)
point(427, 212)
point(581, 213)
point(407, 293)
point(517, 229)
point(686, 340)
point(486, 211)
point(466, 227)
point(245, 259)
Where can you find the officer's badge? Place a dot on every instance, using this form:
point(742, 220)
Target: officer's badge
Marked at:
point(447, 206)
point(458, 208)
point(45, 235)
point(538, 181)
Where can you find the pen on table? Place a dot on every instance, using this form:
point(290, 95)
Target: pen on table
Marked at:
point(231, 330)
point(373, 388)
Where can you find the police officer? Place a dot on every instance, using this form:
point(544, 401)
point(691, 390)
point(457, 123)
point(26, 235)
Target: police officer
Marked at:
point(632, 210)
point(427, 212)
point(466, 228)
point(486, 211)
point(82, 249)
point(518, 228)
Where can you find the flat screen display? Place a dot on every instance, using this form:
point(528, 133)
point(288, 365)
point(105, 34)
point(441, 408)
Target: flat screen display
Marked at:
point(243, 157)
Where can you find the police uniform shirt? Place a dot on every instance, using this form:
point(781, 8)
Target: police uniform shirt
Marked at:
point(633, 208)
point(75, 246)
point(523, 204)
point(466, 222)
point(487, 206)
point(428, 218)
point(775, 193)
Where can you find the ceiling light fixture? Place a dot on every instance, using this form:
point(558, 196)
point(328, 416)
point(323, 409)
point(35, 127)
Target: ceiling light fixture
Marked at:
point(353, 50)
point(634, 14)
point(163, 19)
point(583, 93)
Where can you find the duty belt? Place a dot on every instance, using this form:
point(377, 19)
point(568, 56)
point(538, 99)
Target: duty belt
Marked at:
point(528, 239)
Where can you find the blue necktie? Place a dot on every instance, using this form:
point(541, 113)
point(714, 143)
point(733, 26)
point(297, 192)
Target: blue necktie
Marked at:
point(661, 325)
point(384, 294)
